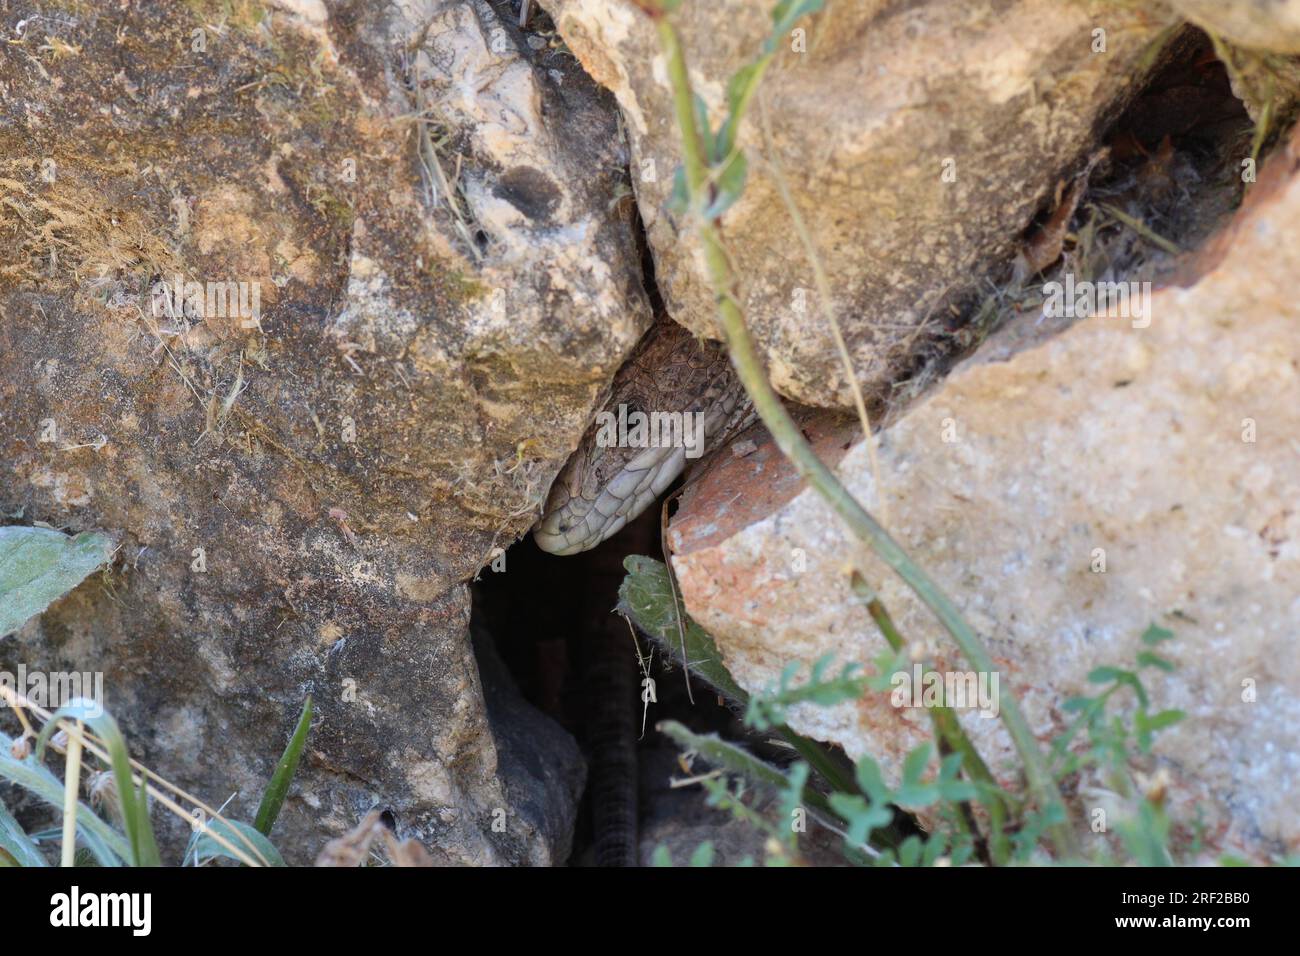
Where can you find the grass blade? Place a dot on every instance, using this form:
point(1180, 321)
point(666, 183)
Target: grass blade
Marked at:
point(109, 846)
point(133, 803)
point(238, 834)
point(16, 847)
point(273, 799)
point(727, 756)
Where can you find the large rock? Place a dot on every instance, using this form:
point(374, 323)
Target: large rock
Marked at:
point(432, 212)
point(1265, 25)
point(1169, 452)
point(1007, 97)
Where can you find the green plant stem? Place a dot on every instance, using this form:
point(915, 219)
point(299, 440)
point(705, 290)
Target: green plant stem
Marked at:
point(727, 756)
point(945, 719)
point(790, 441)
point(817, 758)
point(947, 728)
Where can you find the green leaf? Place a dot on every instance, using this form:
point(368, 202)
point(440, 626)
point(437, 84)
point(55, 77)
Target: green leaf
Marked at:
point(245, 838)
point(790, 672)
point(1118, 675)
point(744, 82)
point(703, 855)
point(646, 597)
point(951, 787)
point(706, 130)
point(1153, 635)
point(914, 791)
point(39, 565)
point(786, 12)
point(769, 707)
point(1165, 718)
point(916, 795)
point(861, 818)
point(1147, 659)
point(1146, 837)
point(886, 664)
point(740, 88)
point(962, 853)
point(914, 763)
point(273, 799)
point(909, 854)
point(872, 781)
point(109, 847)
point(727, 756)
point(1104, 675)
point(1147, 725)
point(15, 844)
point(1132, 680)
point(132, 804)
point(679, 200)
point(934, 848)
point(661, 857)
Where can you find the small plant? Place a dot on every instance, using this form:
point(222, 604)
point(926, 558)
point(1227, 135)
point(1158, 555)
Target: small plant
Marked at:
point(38, 566)
point(767, 710)
point(871, 815)
point(125, 792)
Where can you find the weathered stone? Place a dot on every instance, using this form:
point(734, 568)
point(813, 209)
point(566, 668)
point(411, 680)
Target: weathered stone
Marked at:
point(538, 762)
point(1004, 98)
point(1167, 452)
point(431, 212)
point(1268, 25)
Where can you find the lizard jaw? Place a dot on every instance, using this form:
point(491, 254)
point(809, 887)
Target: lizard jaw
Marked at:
point(573, 522)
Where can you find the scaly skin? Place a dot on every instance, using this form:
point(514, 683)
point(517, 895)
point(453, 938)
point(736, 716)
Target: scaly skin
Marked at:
point(600, 489)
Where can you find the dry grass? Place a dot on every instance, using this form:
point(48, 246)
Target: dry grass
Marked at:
point(69, 231)
point(74, 736)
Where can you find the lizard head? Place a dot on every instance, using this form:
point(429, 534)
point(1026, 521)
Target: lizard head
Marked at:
point(599, 491)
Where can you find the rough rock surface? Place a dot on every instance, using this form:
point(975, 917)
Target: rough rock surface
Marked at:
point(1268, 25)
point(1172, 447)
point(432, 211)
point(887, 98)
point(538, 761)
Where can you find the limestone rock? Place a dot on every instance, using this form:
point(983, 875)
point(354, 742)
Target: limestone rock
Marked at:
point(431, 214)
point(1266, 25)
point(1168, 451)
point(917, 142)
